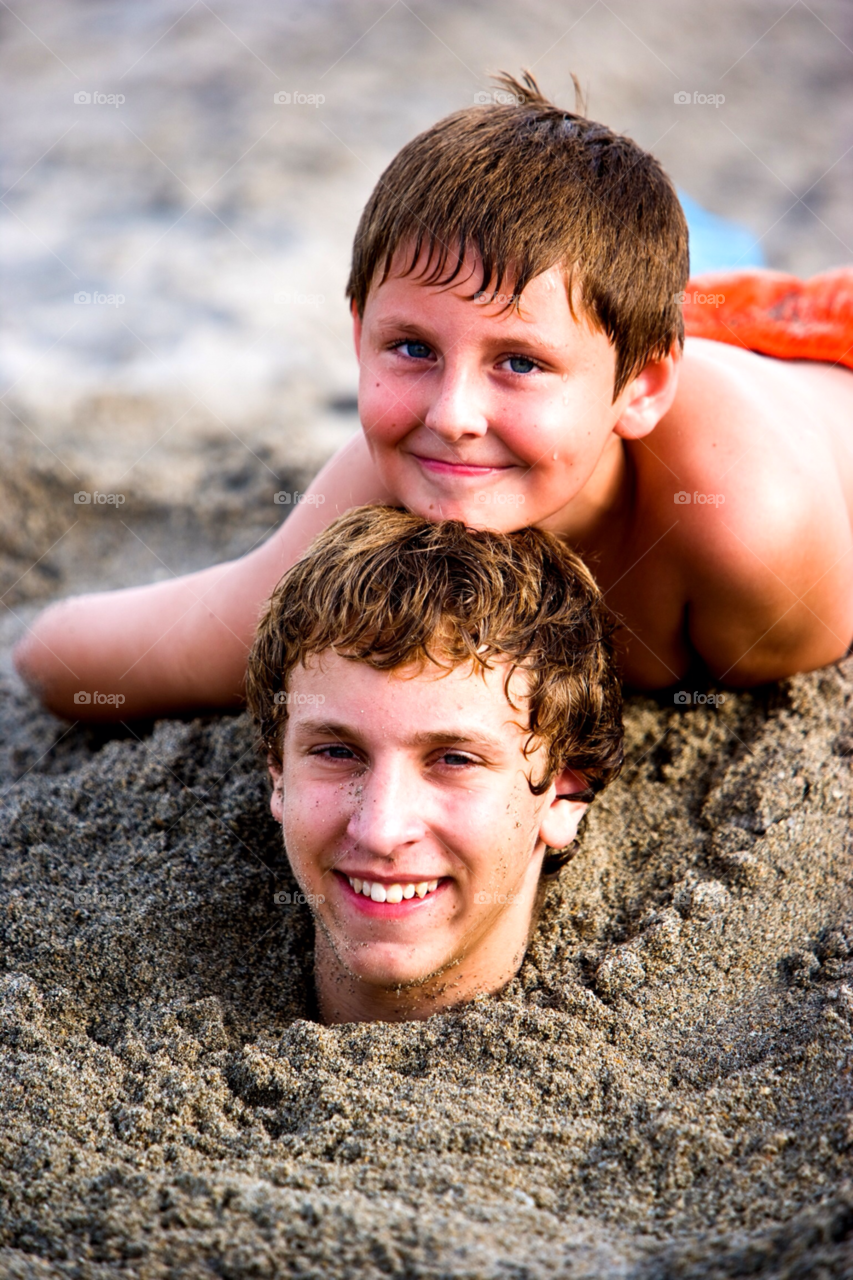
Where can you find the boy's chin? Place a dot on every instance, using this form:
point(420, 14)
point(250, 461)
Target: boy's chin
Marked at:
point(392, 968)
point(499, 515)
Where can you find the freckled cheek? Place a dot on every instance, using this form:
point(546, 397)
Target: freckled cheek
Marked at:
point(477, 840)
point(385, 419)
point(313, 828)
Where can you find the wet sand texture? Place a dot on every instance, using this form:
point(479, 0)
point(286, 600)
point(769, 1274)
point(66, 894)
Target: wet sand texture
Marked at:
point(665, 1090)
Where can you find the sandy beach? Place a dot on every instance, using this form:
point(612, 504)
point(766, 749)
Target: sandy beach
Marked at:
point(666, 1089)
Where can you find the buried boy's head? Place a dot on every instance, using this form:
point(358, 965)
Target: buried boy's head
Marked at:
point(438, 705)
point(515, 284)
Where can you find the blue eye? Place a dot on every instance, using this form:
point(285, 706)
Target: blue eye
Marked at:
point(522, 364)
point(335, 752)
point(415, 350)
point(455, 759)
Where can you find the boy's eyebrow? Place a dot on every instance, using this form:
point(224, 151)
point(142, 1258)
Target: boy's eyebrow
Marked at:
point(438, 737)
point(426, 738)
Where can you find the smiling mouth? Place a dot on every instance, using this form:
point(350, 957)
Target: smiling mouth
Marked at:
point(459, 468)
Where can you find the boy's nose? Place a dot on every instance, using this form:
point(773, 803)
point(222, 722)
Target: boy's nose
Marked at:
point(457, 409)
point(385, 818)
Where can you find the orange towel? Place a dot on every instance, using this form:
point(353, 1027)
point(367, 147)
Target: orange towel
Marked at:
point(774, 313)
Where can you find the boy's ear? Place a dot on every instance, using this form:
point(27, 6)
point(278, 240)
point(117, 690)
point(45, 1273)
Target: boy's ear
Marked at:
point(356, 328)
point(277, 797)
point(561, 819)
point(648, 397)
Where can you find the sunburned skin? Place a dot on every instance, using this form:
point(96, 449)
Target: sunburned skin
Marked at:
point(415, 782)
point(503, 418)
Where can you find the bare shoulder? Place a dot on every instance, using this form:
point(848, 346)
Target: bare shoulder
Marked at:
point(749, 455)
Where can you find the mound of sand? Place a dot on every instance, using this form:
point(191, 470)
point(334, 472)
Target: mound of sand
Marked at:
point(665, 1090)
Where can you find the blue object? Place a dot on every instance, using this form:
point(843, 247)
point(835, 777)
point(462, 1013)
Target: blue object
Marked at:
point(716, 244)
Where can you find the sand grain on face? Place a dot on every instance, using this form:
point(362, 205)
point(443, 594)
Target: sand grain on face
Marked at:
point(664, 1090)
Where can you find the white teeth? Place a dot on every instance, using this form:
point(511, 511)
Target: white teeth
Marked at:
point(391, 892)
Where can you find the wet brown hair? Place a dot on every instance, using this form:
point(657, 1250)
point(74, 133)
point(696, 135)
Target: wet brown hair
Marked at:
point(529, 186)
point(389, 588)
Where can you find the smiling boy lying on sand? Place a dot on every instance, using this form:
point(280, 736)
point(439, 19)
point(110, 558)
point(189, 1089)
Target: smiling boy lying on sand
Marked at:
point(517, 286)
point(438, 706)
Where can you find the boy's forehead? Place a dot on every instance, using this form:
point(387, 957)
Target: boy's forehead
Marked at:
point(414, 280)
point(419, 691)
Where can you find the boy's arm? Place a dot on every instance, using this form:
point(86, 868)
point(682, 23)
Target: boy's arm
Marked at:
point(180, 645)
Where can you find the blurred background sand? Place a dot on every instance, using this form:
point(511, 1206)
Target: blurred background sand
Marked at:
point(219, 222)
